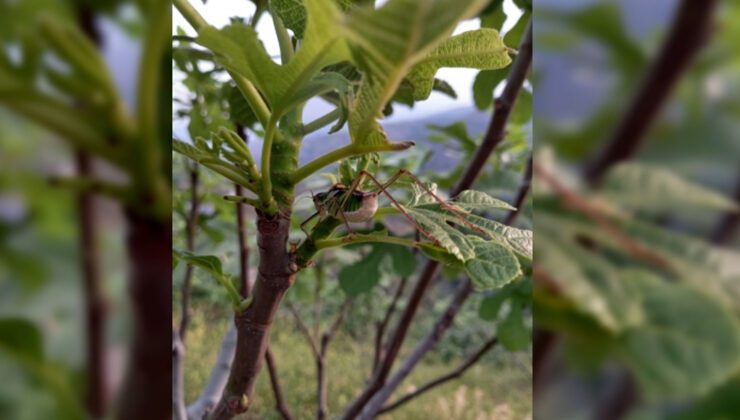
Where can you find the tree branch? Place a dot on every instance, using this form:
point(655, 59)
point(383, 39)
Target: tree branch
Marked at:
point(444, 322)
point(321, 379)
point(728, 223)
point(381, 327)
point(689, 31)
point(179, 412)
point(211, 393)
point(190, 225)
point(522, 193)
point(303, 328)
point(458, 372)
point(494, 136)
point(280, 405)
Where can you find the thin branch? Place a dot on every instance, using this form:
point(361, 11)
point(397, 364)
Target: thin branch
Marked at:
point(179, 412)
point(304, 330)
point(688, 33)
point(321, 379)
point(728, 223)
point(241, 232)
point(280, 405)
point(95, 304)
point(458, 372)
point(190, 226)
point(591, 210)
point(494, 136)
point(334, 328)
point(211, 393)
point(96, 398)
point(522, 194)
point(381, 327)
point(373, 406)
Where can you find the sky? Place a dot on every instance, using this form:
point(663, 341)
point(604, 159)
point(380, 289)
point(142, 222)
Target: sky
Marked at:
point(218, 12)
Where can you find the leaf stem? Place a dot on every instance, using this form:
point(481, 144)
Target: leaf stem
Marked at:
point(359, 239)
point(244, 200)
point(190, 14)
point(344, 152)
point(321, 122)
point(286, 44)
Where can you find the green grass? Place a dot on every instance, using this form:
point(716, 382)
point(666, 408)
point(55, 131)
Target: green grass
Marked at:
point(498, 387)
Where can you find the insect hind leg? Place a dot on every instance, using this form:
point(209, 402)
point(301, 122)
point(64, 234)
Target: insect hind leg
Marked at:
point(382, 188)
point(442, 203)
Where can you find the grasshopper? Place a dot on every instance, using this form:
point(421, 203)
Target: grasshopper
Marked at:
point(352, 204)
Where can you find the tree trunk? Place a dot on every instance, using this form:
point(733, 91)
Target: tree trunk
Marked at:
point(275, 275)
point(146, 390)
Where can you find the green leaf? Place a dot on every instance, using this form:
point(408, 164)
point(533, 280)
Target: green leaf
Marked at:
point(362, 276)
point(593, 285)
point(512, 332)
point(514, 36)
point(386, 43)
point(490, 306)
point(212, 265)
point(239, 109)
point(493, 266)
point(493, 16)
point(480, 49)
point(238, 48)
point(647, 187)
point(403, 259)
point(454, 241)
point(484, 85)
point(293, 13)
point(21, 338)
point(688, 343)
point(519, 240)
point(477, 200)
point(438, 254)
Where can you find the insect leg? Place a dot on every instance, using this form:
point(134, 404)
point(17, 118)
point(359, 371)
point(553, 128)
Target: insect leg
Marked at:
point(305, 222)
point(443, 204)
point(397, 205)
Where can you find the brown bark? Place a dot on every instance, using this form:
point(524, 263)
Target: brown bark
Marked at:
point(382, 325)
point(728, 223)
point(276, 273)
point(190, 226)
point(241, 231)
point(277, 390)
point(522, 194)
point(689, 31)
point(146, 389)
point(494, 135)
point(96, 397)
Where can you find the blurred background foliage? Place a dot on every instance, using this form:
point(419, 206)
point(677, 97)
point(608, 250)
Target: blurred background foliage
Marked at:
point(637, 296)
point(43, 360)
point(499, 387)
